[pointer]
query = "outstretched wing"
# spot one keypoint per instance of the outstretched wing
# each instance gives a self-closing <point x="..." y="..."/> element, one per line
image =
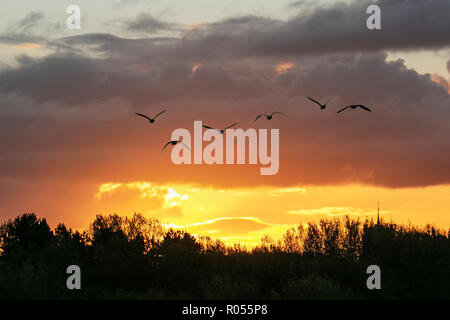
<point x="142" y="115"/>
<point x="315" y="101"/>
<point x="185" y="145"/>
<point x="365" y="108"/>
<point x="343" y="109"/>
<point x="207" y="127"/>
<point x="159" y="114"/>
<point x="276" y="112"/>
<point x="166" y="145"/>
<point x="260" y="116"/>
<point x="230" y="126"/>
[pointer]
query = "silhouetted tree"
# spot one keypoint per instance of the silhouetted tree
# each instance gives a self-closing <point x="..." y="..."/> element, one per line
<point x="135" y="257"/>
<point x="24" y="238"/>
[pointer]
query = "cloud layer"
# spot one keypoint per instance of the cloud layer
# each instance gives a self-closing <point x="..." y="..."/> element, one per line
<point x="74" y="109"/>
<point x="316" y="29"/>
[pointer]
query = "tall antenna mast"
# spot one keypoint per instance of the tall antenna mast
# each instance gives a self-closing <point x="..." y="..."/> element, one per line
<point x="378" y="213"/>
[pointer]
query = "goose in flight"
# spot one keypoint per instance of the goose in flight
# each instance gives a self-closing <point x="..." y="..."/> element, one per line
<point x="223" y="130"/>
<point x="322" y="106"/>
<point x="268" y="116"/>
<point x="354" y="106"/>
<point x="150" y="119"/>
<point x="174" y="142"/>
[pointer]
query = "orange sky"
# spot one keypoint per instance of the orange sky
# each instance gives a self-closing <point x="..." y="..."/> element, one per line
<point x="73" y="147"/>
<point x="237" y="214"/>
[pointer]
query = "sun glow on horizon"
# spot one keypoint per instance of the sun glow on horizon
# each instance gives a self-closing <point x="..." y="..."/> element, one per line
<point x="243" y="214"/>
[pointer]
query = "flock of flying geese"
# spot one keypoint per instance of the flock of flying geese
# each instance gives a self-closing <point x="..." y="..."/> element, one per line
<point x="268" y="117"/>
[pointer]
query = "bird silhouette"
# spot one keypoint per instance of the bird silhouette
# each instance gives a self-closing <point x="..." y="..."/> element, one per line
<point x="151" y="120"/>
<point x="322" y="106"/>
<point x="268" y="116"/>
<point x="354" y="106"/>
<point x="221" y="131"/>
<point x="174" y="142"/>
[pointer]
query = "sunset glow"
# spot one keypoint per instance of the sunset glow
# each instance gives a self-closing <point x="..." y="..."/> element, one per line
<point x="284" y="67"/>
<point x="28" y="45"/>
<point x="79" y="137"/>
<point x="242" y="214"/>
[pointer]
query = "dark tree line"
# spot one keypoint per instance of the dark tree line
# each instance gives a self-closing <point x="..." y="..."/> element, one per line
<point x="136" y="258"/>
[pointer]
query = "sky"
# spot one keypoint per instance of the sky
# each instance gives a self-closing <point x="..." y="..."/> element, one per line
<point x="72" y="146"/>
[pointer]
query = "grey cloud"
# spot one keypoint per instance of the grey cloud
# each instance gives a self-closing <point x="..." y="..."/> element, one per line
<point x="66" y="78"/>
<point x="34" y="27"/>
<point x="29" y="22"/>
<point x="75" y="79"/>
<point x="322" y="29"/>
<point x="148" y="24"/>
<point x="154" y="49"/>
<point x="406" y="24"/>
<point x="34" y="24"/>
<point x="410" y="117"/>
